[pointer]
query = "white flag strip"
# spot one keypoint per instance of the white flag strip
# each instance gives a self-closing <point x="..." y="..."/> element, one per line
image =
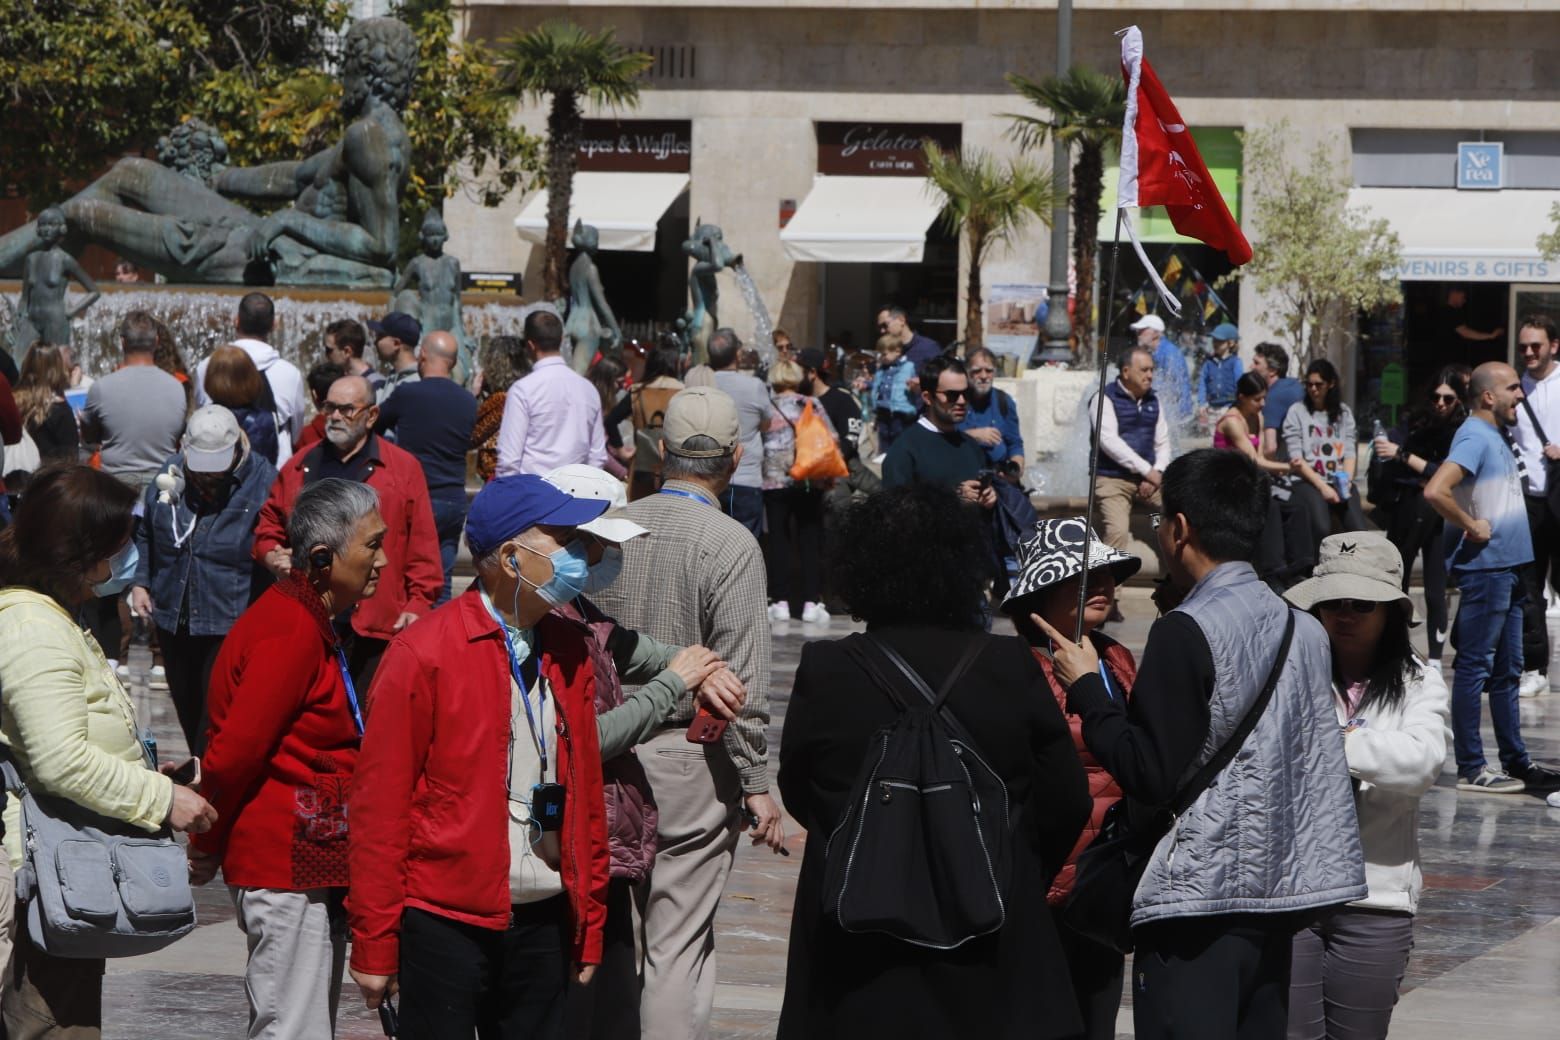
<point x="1127" y="175"/>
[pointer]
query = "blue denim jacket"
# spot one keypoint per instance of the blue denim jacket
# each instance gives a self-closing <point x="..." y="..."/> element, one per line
<point x="891" y="387"/>
<point x="199" y="564"/>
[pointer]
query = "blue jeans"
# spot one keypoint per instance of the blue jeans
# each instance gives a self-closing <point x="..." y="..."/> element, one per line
<point x="449" y="517"/>
<point x="745" y="505"/>
<point x="1489" y="657"/>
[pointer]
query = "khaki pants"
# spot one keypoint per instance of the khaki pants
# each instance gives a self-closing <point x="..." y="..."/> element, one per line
<point x="297" y="950"/>
<point x="696" y="791"/>
<point x="1116" y="498"/>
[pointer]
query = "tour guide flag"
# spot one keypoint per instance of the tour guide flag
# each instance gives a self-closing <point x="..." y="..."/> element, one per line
<point x="1160" y="166"/>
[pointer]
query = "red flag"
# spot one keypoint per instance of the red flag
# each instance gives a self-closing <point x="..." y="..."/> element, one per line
<point x="1160" y="164"/>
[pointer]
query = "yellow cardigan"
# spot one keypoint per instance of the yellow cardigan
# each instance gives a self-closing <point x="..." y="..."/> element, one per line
<point x="66" y="720"/>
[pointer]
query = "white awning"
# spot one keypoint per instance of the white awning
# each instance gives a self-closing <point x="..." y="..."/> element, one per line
<point x="1465" y="236"/>
<point x="623" y="207"/>
<point x="862" y="220"/>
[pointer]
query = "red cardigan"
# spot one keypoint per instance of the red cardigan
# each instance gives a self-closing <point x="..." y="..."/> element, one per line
<point x="281" y="747"/>
<point x="1103" y="788"/>
<point x="429" y="804"/>
<point x="413" y="574"/>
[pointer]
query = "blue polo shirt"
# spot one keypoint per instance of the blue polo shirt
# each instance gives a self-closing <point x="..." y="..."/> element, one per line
<point x="989" y="416"/>
<point x="1281" y="395"/>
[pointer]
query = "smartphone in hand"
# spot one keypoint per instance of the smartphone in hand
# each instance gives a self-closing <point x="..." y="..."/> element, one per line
<point x="706" y="728"/>
<point x="186" y="773"/>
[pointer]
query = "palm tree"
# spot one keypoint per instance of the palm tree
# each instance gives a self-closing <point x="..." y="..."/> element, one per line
<point x="988" y="201"/>
<point x="572" y="66"/>
<point x="1086" y="111"/>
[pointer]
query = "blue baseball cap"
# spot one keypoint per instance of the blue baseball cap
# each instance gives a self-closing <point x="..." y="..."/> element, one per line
<point x="509" y="505"/>
<point x="402" y="326"/>
<point x="1225" y="332"/>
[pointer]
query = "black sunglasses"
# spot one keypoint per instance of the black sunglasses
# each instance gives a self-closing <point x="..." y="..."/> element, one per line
<point x="953" y="395"/>
<point x="1353" y="606"/>
<point x="1445" y="398"/>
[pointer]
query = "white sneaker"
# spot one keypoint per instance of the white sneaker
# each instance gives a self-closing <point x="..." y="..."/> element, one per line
<point x="780" y="611"/>
<point x="1533" y="684"/>
<point x="813" y="613"/>
<point x="158" y="677"/>
<point x="122" y="670"/>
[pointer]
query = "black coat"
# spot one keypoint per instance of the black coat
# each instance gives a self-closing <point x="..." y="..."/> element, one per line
<point x="1010" y="984"/>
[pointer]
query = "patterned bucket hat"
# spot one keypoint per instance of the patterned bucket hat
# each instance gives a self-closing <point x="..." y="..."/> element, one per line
<point x="1055" y="553"/>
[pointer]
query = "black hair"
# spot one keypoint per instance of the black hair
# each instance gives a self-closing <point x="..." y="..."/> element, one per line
<point x="933" y="368"/>
<point x="256" y="315"/>
<point x="1392" y="665"/>
<point x="1125" y="355"/>
<point x="1334" y="403"/>
<point x="320" y="378"/>
<point x="1224" y="497"/>
<point x="664" y="359"/>
<point x="893" y="310"/>
<point x="1250" y="385"/>
<point x="544" y="331"/>
<point x="1277" y="357"/>
<point x="879" y="586"/>
<point x="1424" y="418"/>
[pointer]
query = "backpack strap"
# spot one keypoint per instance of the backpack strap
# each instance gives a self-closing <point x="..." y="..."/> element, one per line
<point x="1538" y="427"/>
<point x="971" y="652"/>
<point x="1215" y="765"/>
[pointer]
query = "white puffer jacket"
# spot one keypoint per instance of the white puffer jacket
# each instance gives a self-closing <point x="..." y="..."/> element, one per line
<point x="1395" y="758"/>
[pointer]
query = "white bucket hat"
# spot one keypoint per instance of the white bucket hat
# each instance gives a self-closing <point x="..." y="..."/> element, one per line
<point x="581" y="481"/>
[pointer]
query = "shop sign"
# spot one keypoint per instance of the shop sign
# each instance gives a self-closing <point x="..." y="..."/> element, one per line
<point x="1481" y="165"/>
<point x="881" y="149"/>
<point x="637" y="145"/>
<point x="1479" y="267"/>
<point x="491" y="282"/>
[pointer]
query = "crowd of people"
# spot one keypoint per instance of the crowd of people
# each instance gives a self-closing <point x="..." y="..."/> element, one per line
<point x="511" y="808"/>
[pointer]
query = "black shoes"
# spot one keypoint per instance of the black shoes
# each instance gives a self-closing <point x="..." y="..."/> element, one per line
<point x="1537" y="777"/>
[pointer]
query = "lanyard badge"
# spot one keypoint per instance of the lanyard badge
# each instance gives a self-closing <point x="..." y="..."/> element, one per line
<point x="352" y="697"/>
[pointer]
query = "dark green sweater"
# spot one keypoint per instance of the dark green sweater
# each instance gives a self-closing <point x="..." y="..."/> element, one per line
<point x="943" y="459"/>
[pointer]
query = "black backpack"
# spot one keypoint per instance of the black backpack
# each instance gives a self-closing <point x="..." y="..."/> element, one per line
<point x="922" y="854"/>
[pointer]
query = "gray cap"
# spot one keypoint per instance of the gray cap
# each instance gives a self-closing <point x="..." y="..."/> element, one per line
<point x="701" y="411"/>
<point x="1363" y="565"/>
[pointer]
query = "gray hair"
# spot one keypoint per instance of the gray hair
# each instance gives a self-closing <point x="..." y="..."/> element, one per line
<point x="678" y="467"/>
<point x="722" y="348"/>
<point x="326" y="513"/>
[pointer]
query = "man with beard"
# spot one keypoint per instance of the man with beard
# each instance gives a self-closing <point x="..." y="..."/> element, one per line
<point x="351" y="450"/>
<point x="992" y="418"/>
<point x="840" y="404"/>
<point x="935" y="450"/>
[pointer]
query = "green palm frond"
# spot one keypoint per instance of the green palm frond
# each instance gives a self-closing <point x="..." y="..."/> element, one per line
<point x="1084" y="107"/>
<point x="988" y="199"/>
<point x="563" y="58"/>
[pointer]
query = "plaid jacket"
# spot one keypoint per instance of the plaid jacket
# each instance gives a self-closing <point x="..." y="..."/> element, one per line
<point x="699" y="578"/>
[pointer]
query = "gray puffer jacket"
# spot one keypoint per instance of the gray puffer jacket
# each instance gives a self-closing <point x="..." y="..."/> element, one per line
<point x="1276" y="830"/>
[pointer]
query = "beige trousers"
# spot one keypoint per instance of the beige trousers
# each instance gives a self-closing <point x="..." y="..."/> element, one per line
<point x="1116" y="498"/>
<point x="297" y="952"/>
<point x="697" y="794"/>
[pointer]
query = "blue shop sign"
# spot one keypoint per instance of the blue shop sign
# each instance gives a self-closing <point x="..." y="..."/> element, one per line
<point x="1481" y="165"/>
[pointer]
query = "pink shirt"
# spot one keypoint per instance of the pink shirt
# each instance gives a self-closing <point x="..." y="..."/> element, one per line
<point x="552" y="418"/>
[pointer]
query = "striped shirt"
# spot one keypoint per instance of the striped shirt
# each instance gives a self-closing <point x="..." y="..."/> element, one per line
<point x="699" y="578"/>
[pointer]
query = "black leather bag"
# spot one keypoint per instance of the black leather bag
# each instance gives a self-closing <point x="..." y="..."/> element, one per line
<point x="1109" y="870"/>
<point x="922" y="853"/>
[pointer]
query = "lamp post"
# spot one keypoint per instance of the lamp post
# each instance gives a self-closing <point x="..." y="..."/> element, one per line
<point x="1058" y="327"/>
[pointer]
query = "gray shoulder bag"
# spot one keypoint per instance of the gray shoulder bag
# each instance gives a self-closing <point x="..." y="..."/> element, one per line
<point x="96" y="887"/>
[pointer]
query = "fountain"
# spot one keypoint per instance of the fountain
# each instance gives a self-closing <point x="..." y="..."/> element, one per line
<point x="711" y="255"/>
<point x="763" y="328"/>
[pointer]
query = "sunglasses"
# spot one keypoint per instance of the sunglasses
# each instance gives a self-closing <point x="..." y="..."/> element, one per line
<point x="1531" y="347"/>
<point x="1444" y="398"/>
<point x="953" y="395"/>
<point x="1353" y="606"/>
<point x="346" y="411"/>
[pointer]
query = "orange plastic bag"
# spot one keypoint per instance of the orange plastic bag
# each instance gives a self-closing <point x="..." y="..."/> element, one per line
<point x="817" y="455"/>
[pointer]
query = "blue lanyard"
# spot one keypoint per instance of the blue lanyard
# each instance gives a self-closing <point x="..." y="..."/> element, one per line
<point x="526" y="676"/>
<point x="1104" y="675"/>
<point x="683" y="494"/>
<point x="352" y="698"/>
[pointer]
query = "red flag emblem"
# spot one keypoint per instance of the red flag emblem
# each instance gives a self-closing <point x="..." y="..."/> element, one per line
<point x="1160" y="164"/>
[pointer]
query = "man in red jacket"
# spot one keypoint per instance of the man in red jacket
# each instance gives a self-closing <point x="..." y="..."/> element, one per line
<point x="352" y="451"/>
<point x="478" y="848"/>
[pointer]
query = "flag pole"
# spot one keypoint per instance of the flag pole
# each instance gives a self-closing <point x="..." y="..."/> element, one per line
<point x="1094" y="436"/>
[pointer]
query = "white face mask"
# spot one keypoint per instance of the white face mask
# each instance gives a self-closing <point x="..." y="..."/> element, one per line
<point x="604" y="573"/>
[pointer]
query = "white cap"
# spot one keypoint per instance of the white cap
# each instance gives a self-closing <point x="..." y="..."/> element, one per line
<point x="581" y="481"/>
<point x="1148" y="321"/>
<point x="210" y="438"/>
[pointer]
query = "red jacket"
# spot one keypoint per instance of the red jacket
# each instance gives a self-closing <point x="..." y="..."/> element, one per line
<point x="413" y="574"/>
<point x="281" y="746"/>
<point x="1102" y="786"/>
<point x="312" y="434"/>
<point x="429" y="803"/>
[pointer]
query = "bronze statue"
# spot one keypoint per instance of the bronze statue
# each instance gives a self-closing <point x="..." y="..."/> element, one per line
<point x="338" y="224"/>
<point x="710" y="257"/>
<point x="42" y="317"/>
<point x="429" y="290"/>
<point x="591" y="325"/>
